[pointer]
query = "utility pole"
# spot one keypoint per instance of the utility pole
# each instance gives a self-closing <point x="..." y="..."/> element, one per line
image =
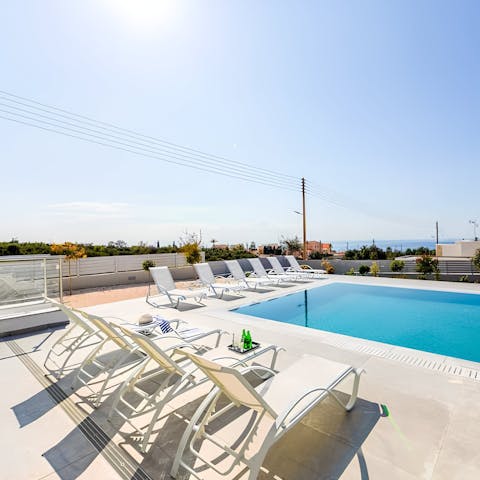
<point x="304" y="221"/>
<point x="436" y="231"/>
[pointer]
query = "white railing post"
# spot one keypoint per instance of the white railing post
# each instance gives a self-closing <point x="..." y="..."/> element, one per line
<point x="60" y="278"/>
<point x="45" y="288"/>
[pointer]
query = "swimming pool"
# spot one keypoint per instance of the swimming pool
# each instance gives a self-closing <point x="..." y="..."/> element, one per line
<point x="446" y="323"/>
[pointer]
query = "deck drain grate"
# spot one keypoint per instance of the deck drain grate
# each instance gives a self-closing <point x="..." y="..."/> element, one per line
<point x="361" y="346"/>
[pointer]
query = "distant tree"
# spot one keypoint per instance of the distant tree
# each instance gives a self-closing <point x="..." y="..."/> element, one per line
<point x="190" y="247"/>
<point x="350" y="254"/>
<point x="192" y="253"/>
<point x="13" y="249"/>
<point x="292" y="245"/>
<point x="213" y="241"/>
<point x="319" y="255"/>
<point x="72" y="251"/>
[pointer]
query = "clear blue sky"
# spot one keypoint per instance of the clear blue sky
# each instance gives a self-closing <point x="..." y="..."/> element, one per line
<point x="378" y="102"/>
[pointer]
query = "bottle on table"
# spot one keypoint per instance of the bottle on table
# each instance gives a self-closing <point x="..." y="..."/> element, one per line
<point x="248" y="341"/>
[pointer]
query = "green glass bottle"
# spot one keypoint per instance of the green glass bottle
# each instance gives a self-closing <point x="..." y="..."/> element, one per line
<point x="242" y="340"/>
<point x="248" y="340"/>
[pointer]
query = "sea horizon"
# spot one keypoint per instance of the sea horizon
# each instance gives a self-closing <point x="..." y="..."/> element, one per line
<point x="402" y="245"/>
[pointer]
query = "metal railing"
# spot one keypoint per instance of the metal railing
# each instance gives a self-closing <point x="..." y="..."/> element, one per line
<point x="121" y="263"/>
<point x="29" y="279"/>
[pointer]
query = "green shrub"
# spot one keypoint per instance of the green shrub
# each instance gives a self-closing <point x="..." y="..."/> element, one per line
<point x="363" y="269"/>
<point x="464" y="278"/>
<point x="147" y="264"/>
<point x="397" y="265"/>
<point x="350" y="272"/>
<point x="425" y="265"/>
<point x="192" y="253"/>
<point x="328" y="267"/>
<point x="375" y="269"/>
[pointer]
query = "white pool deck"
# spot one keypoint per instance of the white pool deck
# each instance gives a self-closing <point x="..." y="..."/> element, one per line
<point x="433" y="431"/>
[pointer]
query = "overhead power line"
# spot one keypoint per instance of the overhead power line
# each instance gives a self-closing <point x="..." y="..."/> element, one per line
<point x="25" y="111"/>
<point x="136" y="152"/>
<point x="173" y="159"/>
<point x="114" y="133"/>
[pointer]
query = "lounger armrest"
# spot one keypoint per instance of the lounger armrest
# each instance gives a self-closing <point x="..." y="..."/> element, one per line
<point x="262" y="368"/>
<point x="115" y="318"/>
<point x="175" y="321"/>
<point x="239" y="361"/>
<point x="179" y="346"/>
<point x="194" y="346"/>
<point x="282" y="418"/>
<point x="217" y="331"/>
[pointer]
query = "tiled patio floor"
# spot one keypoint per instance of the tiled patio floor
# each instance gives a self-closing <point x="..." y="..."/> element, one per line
<point x="433" y="433"/>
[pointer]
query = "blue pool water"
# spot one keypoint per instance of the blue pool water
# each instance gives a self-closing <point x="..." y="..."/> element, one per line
<point x="446" y="323"/>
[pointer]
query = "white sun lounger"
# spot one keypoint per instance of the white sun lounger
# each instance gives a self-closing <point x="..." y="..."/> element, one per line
<point x="128" y="356"/>
<point x="79" y="334"/>
<point x="206" y="276"/>
<point x="264" y="414"/>
<point x="260" y="272"/>
<point x="173" y="377"/>
<point x="277" y="269"/>
<point x="166" y="286"/>
<point x="127" y="350"/>
<point x="238" y="274"/>
<point x="308" y="270"/>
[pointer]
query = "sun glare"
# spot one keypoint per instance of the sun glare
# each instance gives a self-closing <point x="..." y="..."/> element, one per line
<point x="143" y="14"/>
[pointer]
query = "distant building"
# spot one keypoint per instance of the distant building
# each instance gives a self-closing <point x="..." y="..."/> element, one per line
<point x="221" y="246"/>
<point x="464" y="248"/>
<point x="271" y="249"/>
<point x="318" y="247"/>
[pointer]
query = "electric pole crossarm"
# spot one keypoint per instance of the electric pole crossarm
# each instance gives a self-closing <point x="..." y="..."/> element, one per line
<point x="304" y="221"/>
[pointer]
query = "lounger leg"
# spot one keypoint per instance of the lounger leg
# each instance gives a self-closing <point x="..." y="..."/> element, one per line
<point x="173" y="391"/>
<point x="353" y="397"/>
<point x="211" y="398"/>
<point x="71" y="349"/>
<point x="59" y="342"/>
<point x="125" y="386"/>
<point x="89" y="359"/>
<point x="110" y="374"/>
<point x="276" y="351"/>
<point x="256" y="463"/>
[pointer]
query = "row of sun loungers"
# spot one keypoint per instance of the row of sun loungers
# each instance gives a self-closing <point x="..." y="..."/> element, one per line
<point x="244" y="421"/>
<point x="276" y="276"/>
